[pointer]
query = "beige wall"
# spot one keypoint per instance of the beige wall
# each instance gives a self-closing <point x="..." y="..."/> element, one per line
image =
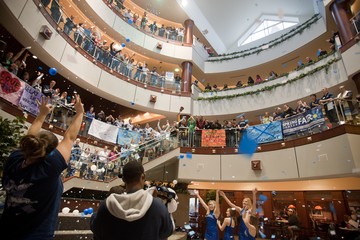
<point x="338" y="156"/>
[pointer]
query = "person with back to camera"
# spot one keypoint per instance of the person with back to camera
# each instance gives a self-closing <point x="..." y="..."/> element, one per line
<point x="32" y="178"/>
<point x="229" y="222"/>
<point x="136" y="215"/>
<point x="248" y="208"/>
<point x="212" y="214"/>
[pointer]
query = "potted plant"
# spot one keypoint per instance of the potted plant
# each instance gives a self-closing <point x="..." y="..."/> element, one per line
<point x="11" y="133"/>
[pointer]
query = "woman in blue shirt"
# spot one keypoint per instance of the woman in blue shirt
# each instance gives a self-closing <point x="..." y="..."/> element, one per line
<point x="229" y="223"/>
<point x="248" y="207"/>
<point x="32" y="180"/>
<point x="212" y="214"/>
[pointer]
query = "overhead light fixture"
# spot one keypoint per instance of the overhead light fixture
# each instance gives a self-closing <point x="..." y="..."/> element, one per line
<point x="184" y="3"/>
<point x="34" y="57"/>
<point x="177" y="70"/>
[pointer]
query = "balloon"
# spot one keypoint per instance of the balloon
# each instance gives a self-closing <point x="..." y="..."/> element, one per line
<point x="123" y="45"/>
<point x="189" y="155"/>
<point x="86" y="211"/>
<point x="130" y="21"/>
<point x="263" y="197"/>
<point x="127" y="39"/>
<point x="90" y="210"/>
<point x="132" y="103"/>
<point x="76" y="211"/>
<point x="52" y="71"/>
<point x="93" y="168"/>
<point x="65" y="210"/>
<point x="181" y="156"/>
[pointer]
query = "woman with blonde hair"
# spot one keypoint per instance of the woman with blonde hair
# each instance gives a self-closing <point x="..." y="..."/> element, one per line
<point x="229" y="222"/>
<point x="248" y="207"/>
<point x="212" y="214"/>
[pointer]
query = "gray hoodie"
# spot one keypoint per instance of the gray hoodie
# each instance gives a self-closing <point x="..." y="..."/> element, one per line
<point x="135" y="216"/>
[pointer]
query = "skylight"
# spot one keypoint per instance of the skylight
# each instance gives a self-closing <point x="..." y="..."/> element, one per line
<point x="266" y="26"/>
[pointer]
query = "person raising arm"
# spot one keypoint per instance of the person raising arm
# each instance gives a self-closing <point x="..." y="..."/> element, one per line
<point x="31" y="178"/>
<point x="212" y="214"/>
<point x="229" y="222"/>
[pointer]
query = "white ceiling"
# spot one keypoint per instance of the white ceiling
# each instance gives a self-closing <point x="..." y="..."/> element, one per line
<point x="227" y="20"/>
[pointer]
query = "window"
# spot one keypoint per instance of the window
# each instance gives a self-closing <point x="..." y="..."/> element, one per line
<point x="266" y="26"/>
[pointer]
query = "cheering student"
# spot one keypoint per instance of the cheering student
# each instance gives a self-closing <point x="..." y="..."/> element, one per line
<point x="32" y="178"/>
<point x="212" y="214"/>
<point x="247" y="208"/>
<point x="229" y="222"/>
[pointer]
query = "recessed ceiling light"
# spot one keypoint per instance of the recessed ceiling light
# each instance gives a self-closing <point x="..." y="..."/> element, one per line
<point x="34" y="57"/>
<point x="177" y="70"/>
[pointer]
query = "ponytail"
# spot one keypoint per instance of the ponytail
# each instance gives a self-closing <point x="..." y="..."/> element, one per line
<point x="35" y="148"/>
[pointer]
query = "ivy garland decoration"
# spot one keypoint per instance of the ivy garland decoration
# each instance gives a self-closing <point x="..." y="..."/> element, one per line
<point x="270" y="44"/>
<point x="269" y="88"/>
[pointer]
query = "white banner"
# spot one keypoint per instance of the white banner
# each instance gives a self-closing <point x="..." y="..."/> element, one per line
<point x="103" y="131"/>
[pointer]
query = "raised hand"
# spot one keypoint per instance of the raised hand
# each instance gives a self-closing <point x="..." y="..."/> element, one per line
<point x="79" y="107"/>
<point x="44" y="107"/>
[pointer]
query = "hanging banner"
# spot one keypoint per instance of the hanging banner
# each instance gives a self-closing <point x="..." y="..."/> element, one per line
<point x="28" y="100"/>
<point x="303" y="121"/>
<point x="103" y="131"/>
<point x="213" y="138"/>
<point x="126" y="137"/>
<point x="11" y="86"/>
<point x="265" y="133"/>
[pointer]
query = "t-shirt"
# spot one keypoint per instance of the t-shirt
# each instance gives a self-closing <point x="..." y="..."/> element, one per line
<point x="33" y="196"/>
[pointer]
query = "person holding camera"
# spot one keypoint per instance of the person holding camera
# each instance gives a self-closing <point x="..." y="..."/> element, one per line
<point x="134" y="215"/>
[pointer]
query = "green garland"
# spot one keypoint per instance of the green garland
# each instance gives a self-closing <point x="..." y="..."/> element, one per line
<point x="269" y="88"/>
<point x="272" y="43"/>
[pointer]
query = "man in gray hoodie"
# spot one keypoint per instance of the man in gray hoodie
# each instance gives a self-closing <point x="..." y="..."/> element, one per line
<point x="136" y="215"/>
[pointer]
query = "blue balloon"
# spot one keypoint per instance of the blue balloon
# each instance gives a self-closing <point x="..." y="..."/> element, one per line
<point x="86" y="211"/>
<point x="40" y="68"/>
<point x="189" y="155"/>
<point x="132" y="103"/>
<point x="52" y="71"/>
<point x="123" y="45"/>
<point x="263" y="197"/>
<point x="127" y="39"/>
<point x="181" y="156"/>
<point x="130" y="21"/>
<point x="90" y="210"/>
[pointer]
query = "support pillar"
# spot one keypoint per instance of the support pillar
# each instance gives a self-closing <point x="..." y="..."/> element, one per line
<point x="341" y="13"/>
<point x="356" y="79"/>
<point x="189" y="31"/>
<point x="186" y="77"/>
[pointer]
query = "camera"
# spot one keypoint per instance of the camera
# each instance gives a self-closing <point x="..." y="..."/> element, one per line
<point x="163" y="192"/>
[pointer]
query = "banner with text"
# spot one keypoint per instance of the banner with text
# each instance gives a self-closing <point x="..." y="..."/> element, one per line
<point x="265" y="133"/>
<point x="303" y="121"/>
<point x="213" y="138"/>
<point x="11" y="86"/>
<point x="28" y="100"/>
<point x="126" y="137"/>
<point x="103" y="131"/>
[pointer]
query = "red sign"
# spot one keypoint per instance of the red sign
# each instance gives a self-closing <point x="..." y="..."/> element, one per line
<point x="213" y="138"/>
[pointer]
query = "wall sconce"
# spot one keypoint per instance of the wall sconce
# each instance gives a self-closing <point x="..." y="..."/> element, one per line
<point x="145" y="86"/>
<point x="214" y="151"/>
<point x="259" y="148"/>
<point x="309" y="139"/>
<point x="153" y="98"/>
<point x="128" y="79"/>
<point x="193" y="150"/>
<point x="283" y="144"/>
<point x="159" y="46"/>
<point x="256" y="165"/>
<point x="162" y="89"/>
<point x="236" y="150"/>
<point x="46" y="32"/>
